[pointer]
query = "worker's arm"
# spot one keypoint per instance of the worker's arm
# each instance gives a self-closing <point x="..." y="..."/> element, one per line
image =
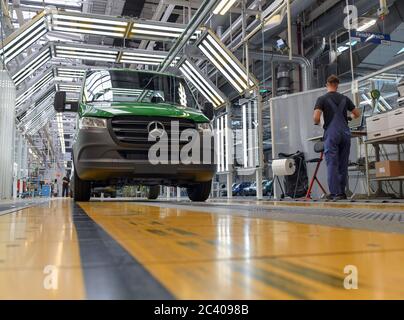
<point x="356" y="113"/>
<point x="317" y="116"/>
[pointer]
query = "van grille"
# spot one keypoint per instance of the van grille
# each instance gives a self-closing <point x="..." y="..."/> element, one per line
<point x="134" y="130"/>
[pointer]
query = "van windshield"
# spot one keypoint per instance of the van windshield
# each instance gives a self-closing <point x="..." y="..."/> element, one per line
<point x="136" y="86"/>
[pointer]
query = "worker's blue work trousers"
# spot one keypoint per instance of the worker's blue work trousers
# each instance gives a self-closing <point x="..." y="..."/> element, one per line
<point x="337" y="145"/>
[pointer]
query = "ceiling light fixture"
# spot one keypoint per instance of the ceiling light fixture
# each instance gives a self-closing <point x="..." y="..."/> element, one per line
<point x="69" y="73"/>
<point x="223" y="6"/>
<point x="150" y="31"/>
<point x="33" y="65"/>
<point x="85" y="53"/>
<point x="69" y="87"/>
<point x="23" y="38"/>
<point x="34" y="88"/>
<point x="367" y="25"/>
<point x="141" y="58"/>
<point x="400" y="51"/>
<point x="201" y="83"/>
<point x="225" y="62"/>
<point x="79" y="24"/>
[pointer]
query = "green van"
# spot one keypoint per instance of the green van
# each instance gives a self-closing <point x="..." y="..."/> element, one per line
<point x="124" y="116"/>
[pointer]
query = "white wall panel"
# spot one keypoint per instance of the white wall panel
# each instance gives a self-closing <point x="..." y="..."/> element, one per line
<point x="7" y="124"/>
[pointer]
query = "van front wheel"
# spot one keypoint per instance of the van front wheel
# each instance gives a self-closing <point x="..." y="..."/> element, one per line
<point x="82" y="189"/>
<point x="153" y="192"/>
<point x="200" y="191"/>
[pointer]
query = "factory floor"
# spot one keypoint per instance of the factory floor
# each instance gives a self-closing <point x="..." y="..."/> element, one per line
<point x="222" y="249"/>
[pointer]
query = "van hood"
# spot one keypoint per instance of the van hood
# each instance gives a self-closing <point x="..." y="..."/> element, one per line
<point x="109" y="110"/>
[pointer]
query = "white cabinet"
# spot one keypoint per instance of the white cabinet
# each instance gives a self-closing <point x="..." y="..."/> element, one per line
<point x="386" y="124"/>
<point x="396" y="119"/>
<point x="377" y="123"/>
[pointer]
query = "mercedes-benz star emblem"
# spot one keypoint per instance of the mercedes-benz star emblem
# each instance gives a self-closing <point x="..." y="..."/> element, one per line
<point x="156" y="129"/>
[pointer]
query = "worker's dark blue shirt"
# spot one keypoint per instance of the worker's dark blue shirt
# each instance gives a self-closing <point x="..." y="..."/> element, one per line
<point x="328" y="113"/>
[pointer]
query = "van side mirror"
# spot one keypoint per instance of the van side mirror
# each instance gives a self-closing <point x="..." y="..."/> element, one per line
<point x="61" y="105"/>
<point x="208" y="111"/>
<point x="59" y="101"/>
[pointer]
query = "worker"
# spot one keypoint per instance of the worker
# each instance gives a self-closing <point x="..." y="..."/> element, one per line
<point x="55" y="188"/>
<point x="337" y="136"/>
<point x="65" y="185"/>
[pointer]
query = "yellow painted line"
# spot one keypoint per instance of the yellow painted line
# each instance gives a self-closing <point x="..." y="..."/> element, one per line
<point x="311" y="204"/>
<point x="197" y="255"/>
<point x="39" y="254"/>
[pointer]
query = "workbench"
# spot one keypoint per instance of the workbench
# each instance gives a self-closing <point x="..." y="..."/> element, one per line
<point x="397" y="140"/>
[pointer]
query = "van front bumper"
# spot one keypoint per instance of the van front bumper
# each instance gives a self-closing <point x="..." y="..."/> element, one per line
<point x="98" y="156"/>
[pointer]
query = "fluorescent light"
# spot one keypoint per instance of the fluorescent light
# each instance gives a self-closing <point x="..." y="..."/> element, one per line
<point x="191" y="75"/>
<point x="156" y="30"/>
<point x="37" y="110"/>
<point x="120" y="30"/>
<point x="94" y="20"/>
<point x="69" y="73"/>
<point x="24" y="42"/>
<point x="86" y="53"/>
<point x="79" y="53"/>
<point x="367" y="25"/>
<point x="352" y="43"/>
<point x="341" y="49"/>
<point x="203" y="80"/>
<point x="220" y="6"/>
<point x="225" y="62"/>
<point x="143" y="55"/>
<point x="102" y="33"/>
<point x="217" y="65"/>
<point x="31" y="67"/>
<point x="137" y="26"/>
<point x="71" y="70"/>
<point x="227" y="7"/>
<point x="144" y="59"/>
<point x="86" y="49"/>
<point x="157" y="33"/>
<point x="400" y="51"/>
<point x="229" y="59"/>
<point x="201" y="84"/>
<point x="197" y="85"/>
<point x="41" y="83"/>
<point x="141" y="58"/>
<point x="17" y="39"/>
<point x="140" y="62"/>
<point x="65" y="85"/>
<point x="84" y="57"/>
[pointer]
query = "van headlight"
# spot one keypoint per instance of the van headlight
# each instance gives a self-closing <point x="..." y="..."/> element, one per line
<point x="204" y="126"/>
<point x="87" y="122"/>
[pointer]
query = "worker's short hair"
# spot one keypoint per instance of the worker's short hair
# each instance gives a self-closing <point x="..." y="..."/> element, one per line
<point x="333" y="79"/>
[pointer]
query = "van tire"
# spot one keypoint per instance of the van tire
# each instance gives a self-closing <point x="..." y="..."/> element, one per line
<point x="82" y="189"/>
<point x="153" y="192"/>
<point x="199" y="192"/>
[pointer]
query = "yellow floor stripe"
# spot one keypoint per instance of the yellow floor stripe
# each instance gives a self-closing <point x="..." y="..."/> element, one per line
<point x="39" y="254"/>
<point x="199" y="255"/>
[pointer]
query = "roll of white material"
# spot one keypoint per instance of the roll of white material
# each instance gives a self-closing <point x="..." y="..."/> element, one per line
<point x="283" y="167"/>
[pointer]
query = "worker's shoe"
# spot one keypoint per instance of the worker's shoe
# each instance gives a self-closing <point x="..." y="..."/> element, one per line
<point x="340" y="197"/>
<point x="329" y="197"/>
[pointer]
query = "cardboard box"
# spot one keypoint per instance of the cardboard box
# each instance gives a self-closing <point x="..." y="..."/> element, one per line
<point x="389" y="168"/>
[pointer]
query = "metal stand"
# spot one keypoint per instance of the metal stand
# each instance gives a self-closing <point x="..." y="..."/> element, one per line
<point x="315" y="179"/>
